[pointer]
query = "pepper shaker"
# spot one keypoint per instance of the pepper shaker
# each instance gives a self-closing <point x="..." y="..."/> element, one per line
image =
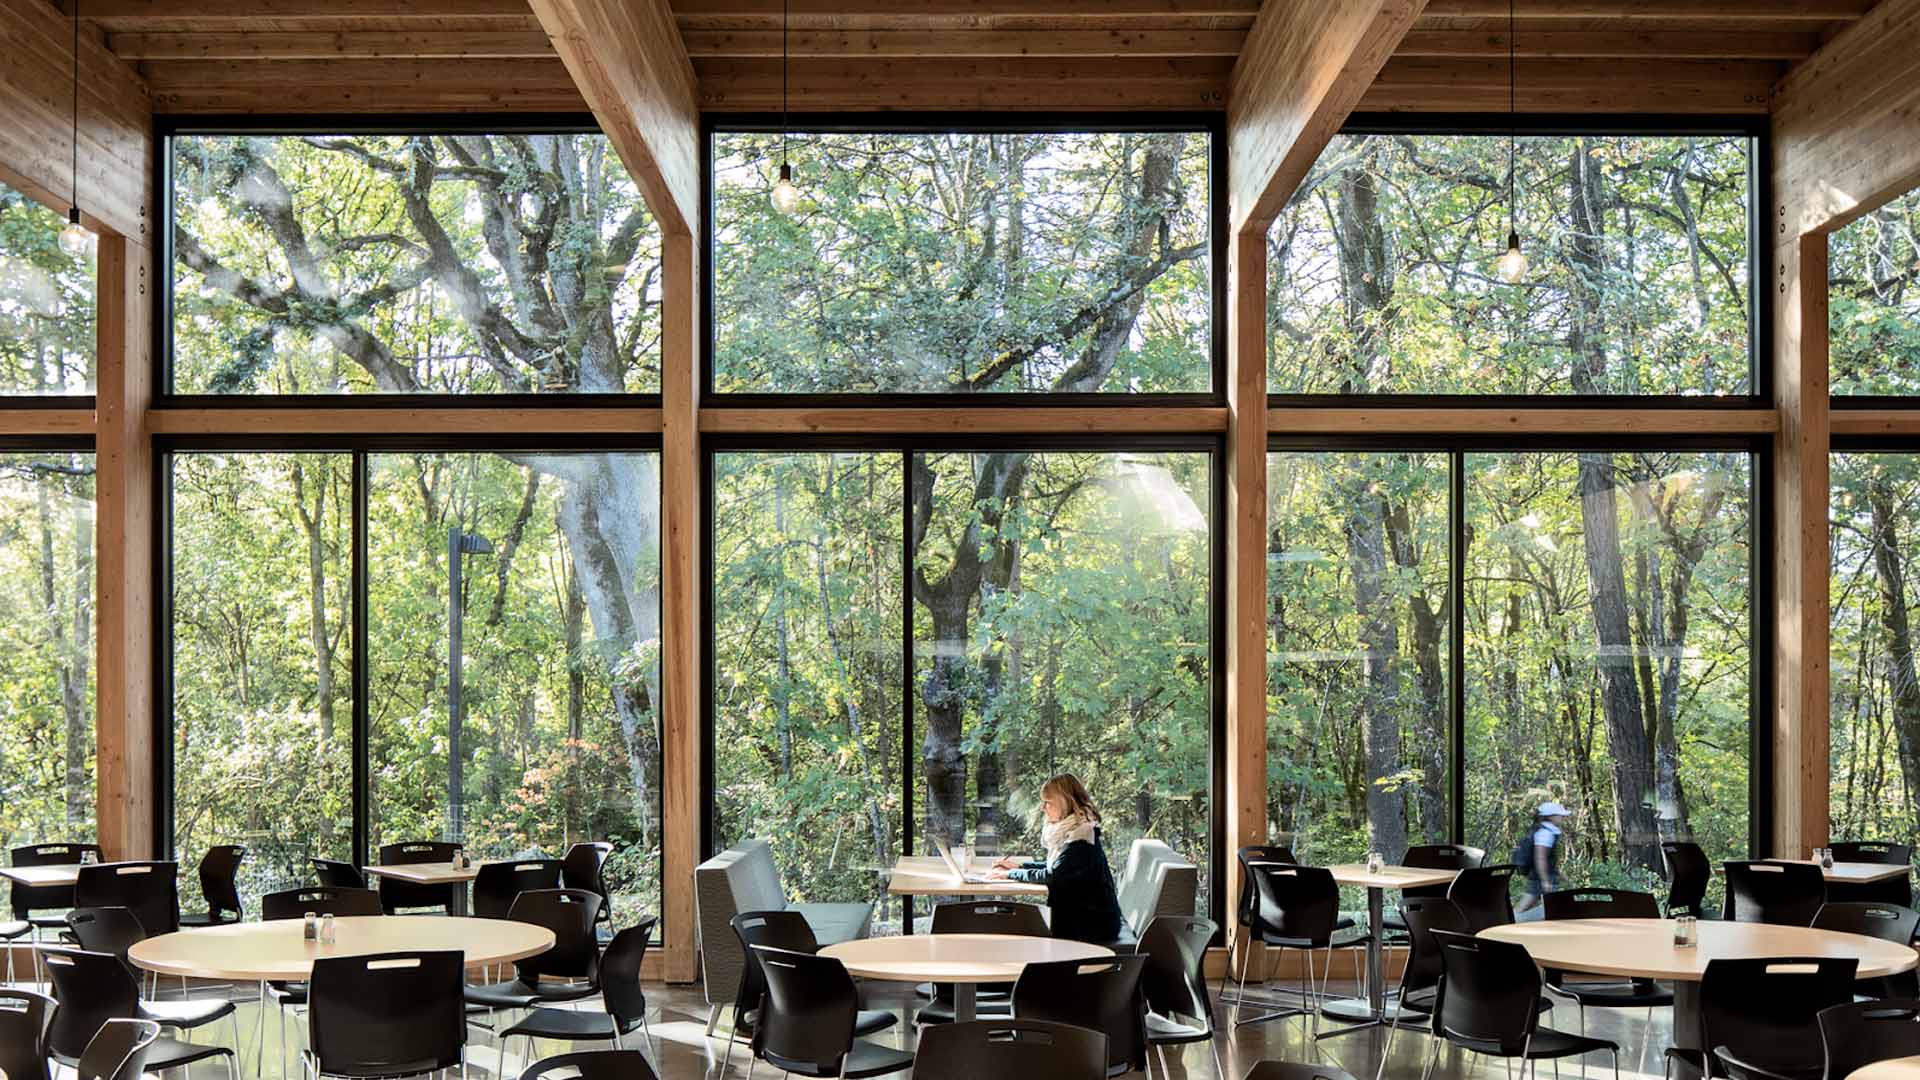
<point x="312" y="928"/>
<point x="326" y="929"/>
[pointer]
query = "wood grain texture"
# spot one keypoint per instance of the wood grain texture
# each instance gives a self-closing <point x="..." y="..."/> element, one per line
<point x="1442" y="84"/>
<point x="1904" y="422"/>
<point x="627" y="59"/>
<point x="1550" y="420"/>
<point x="876" y="44"/>
<point x="1246" y="537"/>
<point x="987" y="84"/>
<point x="1585" y="44"/>
<point x="1305" y="67"/>
<point x="982" y="419"/>
<point x="1774" y="10"/>
<point x="682" y="635"/>
<point x="559" y="419"/>
<point x="56" y="423"/>
<point x="334" y="45"/>
<point x="188" y="87"/>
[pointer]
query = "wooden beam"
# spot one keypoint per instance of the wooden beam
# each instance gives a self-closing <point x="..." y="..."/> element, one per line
<point x="1420" y="84"/>
<point x="977" y="419"/>
<point x="37" y="119"/>
<point x="1898" y="422"/>
<point x="812" y="11"/>
<point x="968" y="84"/>
<point x="1305" y="67"/>
<point x="681" y="633"/>
<point x="339" y="45"/>
<point x="1655" y="10"/>
<point x="1246" y="537"/>
<point x="1584" y="44"/>
<point x="627" y="59"/>
<point x="1313" y="420"/>
<point x="187" y="87"/>
<point x="898" y="44"/>
<point x="123" y="13"/>
<point x="348" y="419"/>
<point x="47" y="423"/>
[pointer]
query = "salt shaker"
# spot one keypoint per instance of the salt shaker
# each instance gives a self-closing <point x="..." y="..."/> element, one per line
<point x="1685" y="932"/>
<point x="1375" y="862"/>
<point x="326" y="929"/>
<point x="1826" y="858"/>
<point x="312" y="929"/>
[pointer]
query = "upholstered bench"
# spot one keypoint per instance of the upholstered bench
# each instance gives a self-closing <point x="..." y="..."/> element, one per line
<point x="743" y="878"/>
<point x="1156" y="881"/>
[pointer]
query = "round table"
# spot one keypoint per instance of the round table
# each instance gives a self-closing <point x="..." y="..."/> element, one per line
<point x="1643" y="948"/>
<point x="965" y="960"/>
<point x="1906" y="1068"/>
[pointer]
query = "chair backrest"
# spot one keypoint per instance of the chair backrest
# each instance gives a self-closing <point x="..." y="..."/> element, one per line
<point x="1766" y="1010"/>
<point x="1781" y="893"/>
<point x="1101" y="994"/>
<point x="1489" y="991"/>
<point x="23" y="1033"/>
<point x="1484" y="895"/>
<point x="1444" y="857"/>
<point x="219" y="873"/>
<point x="1601" y="904"/>
<point x="1688" y="873"/>
<point x="334" y="874"/>
<point x="584" y="867"/>
<point x="1424" y="915"/>
<point x="620" y="974"/>
<point x="569" y="913"/>
<point x="593" y="1065"/>
<point x="369" y="1014"/>
<point x="806" y="1021"/>
<point x="989" y="917"/>
<point x="1010" y="1048"/>
<point x="1294" y="901"/>
<point x="497" y="883"/>
<point x="1885" y="852"/>
<point x="787" y="930"/>
<point x="1888" y="922"/>
<point x="1295" y="1070"/>
<point x="1253" y="853"/>
<point x="1174" y="982"/>
<point x="30" y="898"/>
<point x="148" y="889"/>
<point x="1860" y="1033"/>
<point x="106" y="929"/>
<point x="92" y="988"/>
<point x="321" y="900"/>
<point x="396" y="895"/>
<point x="1155" y="881"/>
<point x="118" y="1051"/>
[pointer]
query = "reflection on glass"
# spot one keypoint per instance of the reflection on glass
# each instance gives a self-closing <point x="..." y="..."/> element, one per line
<point x="460" y="263"/>
<point x="1013" y="262"/>
<point x="46" y="303"/>
<point x="1873" y="314"/>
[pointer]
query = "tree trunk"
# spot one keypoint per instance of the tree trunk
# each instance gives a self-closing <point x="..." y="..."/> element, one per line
<point x="314" y="524"/>
<point x="1896" y="630"/>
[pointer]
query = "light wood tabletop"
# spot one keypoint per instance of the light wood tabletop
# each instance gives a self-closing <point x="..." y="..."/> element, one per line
<point x="1906" y="1068"/>
<point x="51" y="874"/>
<point x="956" y="958"/>
<point x="1390" y="877"/>
<point x="428" y="873"/>
<point x="927" y="875"/>
<point x="1643" y="948"/>
<point x="1855" y="873"/>
<point x="277" y="950"/>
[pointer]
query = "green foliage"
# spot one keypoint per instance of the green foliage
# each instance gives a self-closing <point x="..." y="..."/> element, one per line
<point x="1873" y="314"/>
<point x="46" y="303"/>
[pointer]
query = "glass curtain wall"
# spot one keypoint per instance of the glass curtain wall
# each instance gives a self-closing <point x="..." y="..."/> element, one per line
<point x="46" y="303"/>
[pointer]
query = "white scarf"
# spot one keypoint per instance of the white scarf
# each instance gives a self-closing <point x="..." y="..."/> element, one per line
<point x="1056" y="835"/>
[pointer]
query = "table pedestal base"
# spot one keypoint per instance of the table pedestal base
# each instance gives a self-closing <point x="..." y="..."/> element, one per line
<point x="1686" y="1027"/>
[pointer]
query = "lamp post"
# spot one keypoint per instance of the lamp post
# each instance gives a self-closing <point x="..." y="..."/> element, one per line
<point x="458" y="543"/>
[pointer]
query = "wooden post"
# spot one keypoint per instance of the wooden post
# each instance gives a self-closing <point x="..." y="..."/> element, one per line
<point x="1246" y="584"/>
<point x="680" y="625"/>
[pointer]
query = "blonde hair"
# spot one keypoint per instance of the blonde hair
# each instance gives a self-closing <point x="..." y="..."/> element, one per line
<point x="1069" y="790"/>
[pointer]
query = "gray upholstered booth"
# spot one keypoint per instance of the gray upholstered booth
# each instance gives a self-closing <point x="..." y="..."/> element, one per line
<point x="743" y="878"/>
<point x="1155" y="882"/>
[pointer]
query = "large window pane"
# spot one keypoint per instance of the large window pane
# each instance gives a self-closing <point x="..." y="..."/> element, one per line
<point x="557" y="611"/>
<point x="457" y="263"/>
<point x="262" y="657"/>
<point x="1062" y="623"/>
<point x="1874" y="739"/>
<point x="964" y="263"/>
<point x="1382" y="271"/>
<point x="1874" y="306"/>
<point x="1358" y="728"/>
<point x="806" y="665"/>
<point x="46" y="303"/>
<point x="46" y="647"/>
<point x="1608" y="650"/>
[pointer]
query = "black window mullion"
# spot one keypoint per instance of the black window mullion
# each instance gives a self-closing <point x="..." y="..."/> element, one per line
<point x="1457" y="643"/>
<point x="906" y="674"/>
<point x="362" y="775"/>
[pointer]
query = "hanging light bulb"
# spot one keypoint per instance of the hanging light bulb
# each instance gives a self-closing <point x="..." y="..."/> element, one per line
<point x="1513" y="265"/>
<point x="785" y="195"/>
<point x="75" y="239"/>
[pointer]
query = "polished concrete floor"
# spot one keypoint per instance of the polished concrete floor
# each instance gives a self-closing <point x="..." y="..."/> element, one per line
<point x="680" y="1049"/>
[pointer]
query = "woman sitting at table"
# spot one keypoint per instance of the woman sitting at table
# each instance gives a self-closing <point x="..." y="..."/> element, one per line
<point x="1079" y="883"/>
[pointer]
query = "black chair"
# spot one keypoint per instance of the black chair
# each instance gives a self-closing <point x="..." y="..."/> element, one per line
<point x="113" y="931"/>
<point x="806" y="1021"/>
<point x="1296" y="907"/>
<point x="1894" y="890"/>
<point x="1605" y="993"/>
<point x="1888" y="922"/>
<point x="1432" y="857"/>
<point x="1861" y="1033"/>
<point x="1242" y="944"/>
<point x="583" y="867"/>
<point x="28" y="899"/>
<point x="23" y="1033"/>
<point x="1688" y="874"/>
<point x="1101" y="994"/>
<point x="219" y="873"/>
<point x="147" y="889"/>
<point x="1488" y="1001"/>
<point x="93" y="988"/>
<point x="1010" y="1048"/>
<point x="119" y="1051"/>
<point x="334" y="874"/>
<point x="1295" y="1070"/>
<point x="574" y="959"/>
<point x="496" y="884"/>
<point x="788" y="930"/>
<point x="1174" y="984"/>
<point x="594" y="1065"/>
<point x="1759" y="1017"/>
<point x="391" y="1014"/>
<point x="626" y="1002"/>
<point x="979" y="917"/>
<point x="1484" y="895"/>
<point x="1780" y="893"/>
<point x="1883" y="852"/>
<point x="338" y="901"/>
<point x="1420" y="978"/>
<point x="396" y="896"/>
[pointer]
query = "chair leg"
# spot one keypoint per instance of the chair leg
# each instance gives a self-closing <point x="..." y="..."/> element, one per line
<point x="1219" y="1068"/>
<point x="1433" y="1057"/>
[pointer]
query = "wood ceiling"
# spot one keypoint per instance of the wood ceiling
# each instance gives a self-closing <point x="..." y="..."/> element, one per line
<point x="200" y="56"/>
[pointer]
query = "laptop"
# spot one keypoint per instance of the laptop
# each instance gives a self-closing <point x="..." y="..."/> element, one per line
<point x="953" y="864"/>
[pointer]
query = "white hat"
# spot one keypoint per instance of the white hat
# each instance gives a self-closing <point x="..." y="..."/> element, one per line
<point x="1553" y="809"/>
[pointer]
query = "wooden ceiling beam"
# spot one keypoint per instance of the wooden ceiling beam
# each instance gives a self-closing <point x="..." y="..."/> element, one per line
<point x="125" y="13"/>
<point x="908" y="44"/>
<point x="921" y="10"/>
<point x="1723" y="87"/>
<point x="1306" y="66"/>
<point x="627" y="59"/>
<point x="187" y="87"/>
<point x="1600" y="44"/>
<point x="345" y="45"/>
<point x="988" y="84"/>
<point x="1655" y="10"/>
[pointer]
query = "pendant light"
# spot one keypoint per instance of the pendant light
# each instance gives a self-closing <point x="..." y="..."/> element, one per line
<point x="1513" y="265"/>
<point x="785" y="195"/>
<point x="75" y="239"/>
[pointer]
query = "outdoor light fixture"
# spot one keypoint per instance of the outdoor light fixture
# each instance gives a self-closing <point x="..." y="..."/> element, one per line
<point x="785" y="195"/>
<point x="74" y="239"/>
<point x="1513" y="265"/>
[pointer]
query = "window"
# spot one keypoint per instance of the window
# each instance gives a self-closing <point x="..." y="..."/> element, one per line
<point x="458" y="262"/>
<point x="46" y="303"/>
<point x="1382" y="276"/>
<point x="1874" y="306"/>
<point x="1874" y="759"/>
<point x="46" y="647"/>
<point x="262" y="659"/>
<point x="1359" y="638"/>
<point x="964" y="262"/>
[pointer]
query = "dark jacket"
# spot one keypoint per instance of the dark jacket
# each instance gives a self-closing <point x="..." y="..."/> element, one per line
<point x="1080" y="892"/>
